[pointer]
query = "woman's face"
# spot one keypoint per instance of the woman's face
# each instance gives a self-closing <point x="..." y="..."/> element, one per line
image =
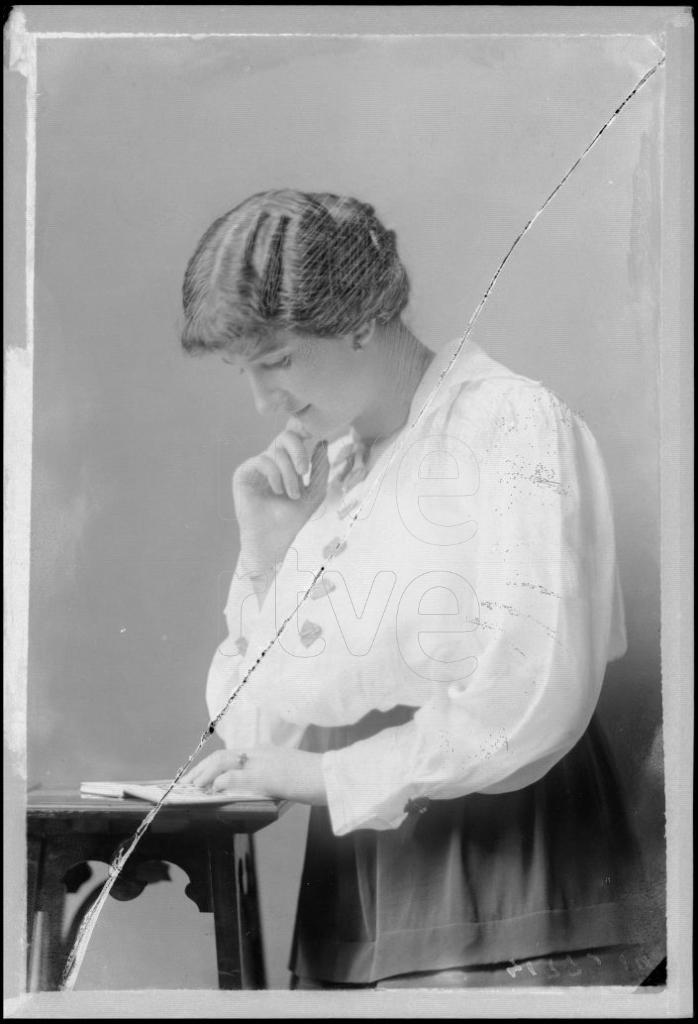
<point x="324" y="383"/>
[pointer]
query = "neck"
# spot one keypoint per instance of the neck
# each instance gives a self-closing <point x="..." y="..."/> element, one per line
<point x="398" y="361"/>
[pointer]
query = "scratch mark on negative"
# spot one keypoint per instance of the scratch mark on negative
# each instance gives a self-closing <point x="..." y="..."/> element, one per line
<point x="78" y="951"/>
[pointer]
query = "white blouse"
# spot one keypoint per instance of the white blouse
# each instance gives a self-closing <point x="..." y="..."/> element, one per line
<point x="469" y="572"/>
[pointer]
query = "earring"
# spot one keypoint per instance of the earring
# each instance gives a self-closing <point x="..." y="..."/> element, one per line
<point x="356" y="345"/>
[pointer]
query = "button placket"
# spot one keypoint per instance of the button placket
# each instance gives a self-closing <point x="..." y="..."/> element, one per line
<point x="346" y="510"/>
<point x="334" y="547"/>
<point x="309" y="633"/>
<point x="322" y="588"/>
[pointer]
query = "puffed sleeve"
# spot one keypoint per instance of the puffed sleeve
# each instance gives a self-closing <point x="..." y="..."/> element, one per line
<point x="244" y="723"/>
<point x="550" y="617"/>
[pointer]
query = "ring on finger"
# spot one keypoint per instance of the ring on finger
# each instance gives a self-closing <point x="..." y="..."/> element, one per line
<point x="241" y="760"/>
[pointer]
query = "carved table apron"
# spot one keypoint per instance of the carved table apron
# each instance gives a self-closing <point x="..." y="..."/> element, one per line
<point x="212" y="844"/>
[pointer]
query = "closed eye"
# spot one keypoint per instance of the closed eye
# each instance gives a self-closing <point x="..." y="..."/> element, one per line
<point x="282" y="364"/>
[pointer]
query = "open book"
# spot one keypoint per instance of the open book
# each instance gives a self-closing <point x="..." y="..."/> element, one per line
<point x="153" y="790"/>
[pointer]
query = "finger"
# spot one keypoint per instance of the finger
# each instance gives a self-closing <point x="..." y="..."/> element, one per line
<point x="319" y="472"/>
<point x="228" y="780"/>
<point x="294" y="444"/>
<point x="210" y="769"/>
<point x="271" y="472"/>
<point x="259" y="472"/>
<point x="192" y="777"/>
<point x="208" y="777"/>
<point x="192" y="774"/>
<point x="289" y="475"/>
<point x="299" y="428"/>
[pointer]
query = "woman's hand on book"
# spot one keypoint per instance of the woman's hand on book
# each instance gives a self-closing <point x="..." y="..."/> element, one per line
<point x="279" y="772"/>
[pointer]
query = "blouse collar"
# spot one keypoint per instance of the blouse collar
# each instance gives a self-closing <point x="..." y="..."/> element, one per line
<point x="458" y="361"/>
<point x="451" y="366"/>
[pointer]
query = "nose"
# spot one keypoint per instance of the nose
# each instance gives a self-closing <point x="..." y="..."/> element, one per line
<point x="265" y="397"/>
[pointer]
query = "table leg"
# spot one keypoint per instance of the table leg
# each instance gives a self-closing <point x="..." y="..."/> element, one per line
<point x="226" y="913"/>
<point x="34" y="858"/>
<point x="250" y="920"/>
<point x="57" y="858"/>
<point x="51" y="954"/>
<point x="236" y="914"/>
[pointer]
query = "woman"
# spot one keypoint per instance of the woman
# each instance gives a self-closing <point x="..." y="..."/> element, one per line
<point x="430" y="541"/>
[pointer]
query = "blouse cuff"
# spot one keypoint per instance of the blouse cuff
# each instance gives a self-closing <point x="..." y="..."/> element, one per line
<point x="354" y="796"/>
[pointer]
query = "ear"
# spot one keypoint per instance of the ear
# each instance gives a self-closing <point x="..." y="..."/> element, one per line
<point x="363" y="335"/>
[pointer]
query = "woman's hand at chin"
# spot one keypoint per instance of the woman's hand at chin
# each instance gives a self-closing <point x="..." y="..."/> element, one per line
<point x="280" y="772"/>
<point x="272" y="502"/>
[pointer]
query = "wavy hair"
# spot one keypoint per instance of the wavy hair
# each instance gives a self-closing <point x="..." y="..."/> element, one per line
<point x="310" y="262"/>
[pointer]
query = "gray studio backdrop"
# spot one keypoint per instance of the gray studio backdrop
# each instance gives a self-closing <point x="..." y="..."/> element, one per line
<point x="456" y="141"/>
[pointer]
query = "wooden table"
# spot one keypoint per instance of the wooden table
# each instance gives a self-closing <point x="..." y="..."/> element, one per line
<point x="211" y="843"/>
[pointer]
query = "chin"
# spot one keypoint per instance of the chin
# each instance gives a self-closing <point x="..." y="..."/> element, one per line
<point x="322" y="428"/>
<point x="333" y="431"/>
<point x="330" y="431"/>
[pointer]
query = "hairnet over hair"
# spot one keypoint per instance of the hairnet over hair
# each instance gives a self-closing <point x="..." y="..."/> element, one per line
<point x="316" y="263"/>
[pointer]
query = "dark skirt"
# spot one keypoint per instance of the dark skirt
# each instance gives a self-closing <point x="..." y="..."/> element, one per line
<point x="478" y="880"/>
